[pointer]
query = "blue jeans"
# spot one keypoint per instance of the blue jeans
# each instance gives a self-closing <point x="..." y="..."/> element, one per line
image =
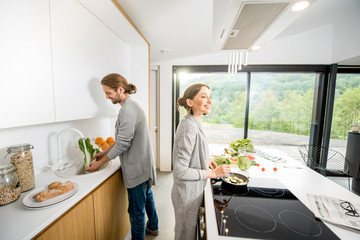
<point x="141" y="200"/>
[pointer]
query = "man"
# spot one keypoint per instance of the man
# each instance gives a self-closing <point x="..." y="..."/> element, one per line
<point x="133" y="146"/>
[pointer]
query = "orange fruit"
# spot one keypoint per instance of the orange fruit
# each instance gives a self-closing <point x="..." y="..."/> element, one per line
<point x="110" y="140"/>
<point x="104" y="146"/>
<point x="99" y="140"/>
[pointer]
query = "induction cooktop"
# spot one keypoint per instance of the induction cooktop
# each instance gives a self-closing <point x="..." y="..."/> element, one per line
<point x="265" y="209"/>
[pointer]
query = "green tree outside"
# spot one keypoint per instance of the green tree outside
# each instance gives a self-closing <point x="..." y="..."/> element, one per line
<point x="279" y="102"/>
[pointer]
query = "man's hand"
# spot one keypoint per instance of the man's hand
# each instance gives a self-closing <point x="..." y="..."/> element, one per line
<point x="98" y="156"/>
<point x="101" y="159"/>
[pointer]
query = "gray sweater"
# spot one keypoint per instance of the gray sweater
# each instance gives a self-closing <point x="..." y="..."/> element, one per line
<point x="133" y="145"/>
<point x="191" y="161"/>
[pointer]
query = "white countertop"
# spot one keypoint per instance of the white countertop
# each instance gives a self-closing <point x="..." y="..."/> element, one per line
<point x="300" y="181"/>
<point x="18" y="222"/>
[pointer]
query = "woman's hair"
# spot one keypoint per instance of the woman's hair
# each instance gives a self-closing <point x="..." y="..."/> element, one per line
<point x="190" y="93"/>
<point x="115" y="80"/>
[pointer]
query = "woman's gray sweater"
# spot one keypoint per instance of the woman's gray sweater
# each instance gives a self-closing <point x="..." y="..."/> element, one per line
<point x="191" y="161"/>
<point x="133" y="145"/>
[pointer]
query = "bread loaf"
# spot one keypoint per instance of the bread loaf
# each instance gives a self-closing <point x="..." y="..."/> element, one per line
<point x="54" y="185"/>
<point x="54" y="189"/>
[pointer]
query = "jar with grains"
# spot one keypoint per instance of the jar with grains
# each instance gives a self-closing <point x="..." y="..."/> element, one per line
<point x="9" y="185"/>
<point x="22" y="160"/>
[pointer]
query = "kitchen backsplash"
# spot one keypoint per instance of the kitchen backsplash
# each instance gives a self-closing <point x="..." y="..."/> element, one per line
<point x="44" y="139"/>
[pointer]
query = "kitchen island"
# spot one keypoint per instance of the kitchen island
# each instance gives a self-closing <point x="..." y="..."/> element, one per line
<point x="294" y="176"/>
<point x="86" y="212"/>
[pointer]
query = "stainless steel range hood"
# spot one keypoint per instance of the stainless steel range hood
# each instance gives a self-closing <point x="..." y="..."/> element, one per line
<point x="248" y="23"/>
<point x="251" y="22"/>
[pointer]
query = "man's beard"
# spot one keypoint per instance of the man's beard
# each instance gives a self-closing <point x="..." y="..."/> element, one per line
<point x="115" y="101"/>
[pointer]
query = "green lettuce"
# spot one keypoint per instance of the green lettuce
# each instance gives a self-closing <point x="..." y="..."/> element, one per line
<point x="90" y="151"/>
<point x="244" y="163"/>
<point x="220" y="160"/>
<point x="238" y="146"/>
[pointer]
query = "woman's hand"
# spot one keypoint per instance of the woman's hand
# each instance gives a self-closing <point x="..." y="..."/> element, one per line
<point x="221" y="171"/>
<point x="212" y="164"/>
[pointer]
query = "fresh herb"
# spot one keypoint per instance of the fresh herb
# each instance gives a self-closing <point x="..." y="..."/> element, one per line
<point x="90" y="151"/>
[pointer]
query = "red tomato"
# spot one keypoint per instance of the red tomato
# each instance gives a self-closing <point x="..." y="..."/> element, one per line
<point x="263" y="169"/>
<point x="250" y="157"/>
<point x="275" y="169"/>
<point x="258" y="164"/>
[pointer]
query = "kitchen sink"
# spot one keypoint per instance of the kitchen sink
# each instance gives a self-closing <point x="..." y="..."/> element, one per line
<point x="76" y="168"/>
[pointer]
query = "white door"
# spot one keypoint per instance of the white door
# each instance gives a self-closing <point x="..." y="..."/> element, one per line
<point x="154" y="119"/>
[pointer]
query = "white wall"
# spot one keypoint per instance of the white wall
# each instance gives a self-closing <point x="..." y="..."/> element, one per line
<point x="44" y="138"/>
<point x="139" y="68"/>
<point x="347" y="36"/>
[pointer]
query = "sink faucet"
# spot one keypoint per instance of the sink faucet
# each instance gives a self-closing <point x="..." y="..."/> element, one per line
<point x="60" y="160"/>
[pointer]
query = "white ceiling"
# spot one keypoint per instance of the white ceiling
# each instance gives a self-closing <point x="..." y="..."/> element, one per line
<point x="186" y="27"/>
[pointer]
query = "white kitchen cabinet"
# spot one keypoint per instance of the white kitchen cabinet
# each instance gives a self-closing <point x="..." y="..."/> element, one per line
<point x="54" y="53"/>
<point x="26" y="87"/>
<point x="84" y="50"/>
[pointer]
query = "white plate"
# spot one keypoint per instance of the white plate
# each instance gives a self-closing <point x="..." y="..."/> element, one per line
<point x="29" y="202"/>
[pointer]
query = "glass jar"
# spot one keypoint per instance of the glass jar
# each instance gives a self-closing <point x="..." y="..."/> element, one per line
<point x="22" y="160"/>
<point x="9" y="185"/>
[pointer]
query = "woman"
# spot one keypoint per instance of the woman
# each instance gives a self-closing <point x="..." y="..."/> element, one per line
<point x="191" y="161"/>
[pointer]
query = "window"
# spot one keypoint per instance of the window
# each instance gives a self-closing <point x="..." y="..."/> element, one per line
<point x="280" y="105"/>
<point x="346" y="109"/>
<point x="281" y="110"/>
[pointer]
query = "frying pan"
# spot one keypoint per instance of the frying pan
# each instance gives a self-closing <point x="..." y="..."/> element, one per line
<point x="235" y="188"/>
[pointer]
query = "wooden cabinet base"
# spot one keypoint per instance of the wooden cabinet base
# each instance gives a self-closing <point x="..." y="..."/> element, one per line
<point x="101" y="215"/>
<point x="76" y="224"/>
<point x="110" y="209"/>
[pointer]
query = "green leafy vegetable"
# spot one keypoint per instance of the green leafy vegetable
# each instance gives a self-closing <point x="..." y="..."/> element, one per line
<point x="239" y="146"/>
<point x="90" y="151"/>
<point x="221" y="160"/>
<point x="244" y="163"/>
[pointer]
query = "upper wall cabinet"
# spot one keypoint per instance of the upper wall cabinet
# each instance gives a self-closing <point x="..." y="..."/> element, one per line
<point x="26" y="91"/>
<point x="54" y="53"/>
<point x="84" y="51"/>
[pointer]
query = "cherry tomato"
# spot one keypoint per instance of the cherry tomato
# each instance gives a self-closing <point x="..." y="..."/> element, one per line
<point x="258" y="164"/>
<point x="263" y="169"/>
<point x="250" y="157"/>
<point x="275" y="169"/>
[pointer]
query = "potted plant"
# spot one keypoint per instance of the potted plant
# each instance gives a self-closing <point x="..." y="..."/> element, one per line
<point x="355" y="127"/>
